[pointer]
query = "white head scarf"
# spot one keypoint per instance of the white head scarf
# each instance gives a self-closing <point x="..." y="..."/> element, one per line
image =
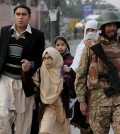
<point x="91" y="35"/>
<point x="90" y="24"/>
<point x="51" y="79"/>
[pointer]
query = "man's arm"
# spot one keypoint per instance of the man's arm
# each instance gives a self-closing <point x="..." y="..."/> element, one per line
<point x="81" y="76"/>
<point x="81" y="80"/>
<point x="40" y="47"/>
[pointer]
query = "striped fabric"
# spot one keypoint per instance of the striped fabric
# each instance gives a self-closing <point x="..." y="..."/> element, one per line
<point x="12" y="67"/>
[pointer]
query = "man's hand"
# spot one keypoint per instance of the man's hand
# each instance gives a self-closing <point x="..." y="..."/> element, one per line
<point x="83" y="108"/>
<point x="25" y="65"/>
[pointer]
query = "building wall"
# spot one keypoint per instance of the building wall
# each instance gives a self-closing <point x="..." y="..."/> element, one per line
<point x="5" y="15"/>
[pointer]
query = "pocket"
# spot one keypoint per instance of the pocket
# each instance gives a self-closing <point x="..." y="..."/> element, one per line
<point x="92" y="115"/>
<point x="93" y="82"/>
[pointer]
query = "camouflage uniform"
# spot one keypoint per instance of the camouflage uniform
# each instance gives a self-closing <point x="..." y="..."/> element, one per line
<point x="102" y="110"/>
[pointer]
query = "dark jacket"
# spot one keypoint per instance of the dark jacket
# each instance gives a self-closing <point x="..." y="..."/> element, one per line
<point x="33" y="48"/>
<point x="68" y="87"/>
<point x="67" y="57"/>
<point x="69" y="77"/>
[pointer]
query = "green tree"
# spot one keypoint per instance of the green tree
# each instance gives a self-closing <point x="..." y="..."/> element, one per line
<point x="102" y="4"/>
<point x="71" y="8"/>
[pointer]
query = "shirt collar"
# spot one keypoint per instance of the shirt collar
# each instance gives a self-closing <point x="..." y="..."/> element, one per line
<point x="28" y="29"/>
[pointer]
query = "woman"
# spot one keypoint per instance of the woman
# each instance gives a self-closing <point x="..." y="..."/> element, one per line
<point x="89" y="33"/>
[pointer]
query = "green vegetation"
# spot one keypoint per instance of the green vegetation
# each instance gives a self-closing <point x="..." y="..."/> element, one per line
<point x="73" y="9"/>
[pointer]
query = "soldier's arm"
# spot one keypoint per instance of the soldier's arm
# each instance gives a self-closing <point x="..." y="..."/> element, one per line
<point x="81" y="75"/>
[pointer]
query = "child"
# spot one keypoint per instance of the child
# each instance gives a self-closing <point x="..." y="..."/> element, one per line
<point x="50" y="81"/>
<point x="62" y="46"/>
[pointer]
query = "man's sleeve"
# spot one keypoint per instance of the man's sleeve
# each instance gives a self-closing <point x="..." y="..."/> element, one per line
<point x="81" y="76"/>
<point x="77" y="56"/>
<point x="40" y="40"/>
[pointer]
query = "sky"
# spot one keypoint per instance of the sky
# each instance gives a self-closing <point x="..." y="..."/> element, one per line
<point x="114" y="2"/>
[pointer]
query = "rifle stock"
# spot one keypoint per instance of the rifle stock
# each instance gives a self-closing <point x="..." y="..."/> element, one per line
<point x="112" y="74"/>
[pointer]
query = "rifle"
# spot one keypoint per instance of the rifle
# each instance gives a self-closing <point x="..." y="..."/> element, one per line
<point x="111" y="75"/>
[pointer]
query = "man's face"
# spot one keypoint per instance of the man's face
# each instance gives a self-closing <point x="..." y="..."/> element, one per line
<point x="21" y="18"/>
<point x="111" y="30"/>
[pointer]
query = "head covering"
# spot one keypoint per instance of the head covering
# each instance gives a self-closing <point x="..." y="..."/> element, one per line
<point x="63" y="39"/>
<point x="51" y="79"/>
<point x="90" y="24"/>
<point x="108" y="17"/>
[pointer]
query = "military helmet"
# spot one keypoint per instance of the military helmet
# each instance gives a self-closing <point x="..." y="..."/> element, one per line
<point x="108" y="17"/>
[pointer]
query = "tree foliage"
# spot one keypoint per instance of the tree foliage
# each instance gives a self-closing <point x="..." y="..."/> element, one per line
<point x="73" y="8"/>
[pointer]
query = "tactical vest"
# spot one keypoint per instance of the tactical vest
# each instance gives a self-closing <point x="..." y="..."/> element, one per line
<point x="97" y="65"/>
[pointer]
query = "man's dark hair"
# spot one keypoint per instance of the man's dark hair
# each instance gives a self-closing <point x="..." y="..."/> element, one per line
<point x="23" y="6"/>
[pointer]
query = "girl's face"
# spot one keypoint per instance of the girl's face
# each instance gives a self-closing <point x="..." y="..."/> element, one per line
<point x="91" y="30"/>
<point x="48" y="60"/>
<point x="60" y="46"/>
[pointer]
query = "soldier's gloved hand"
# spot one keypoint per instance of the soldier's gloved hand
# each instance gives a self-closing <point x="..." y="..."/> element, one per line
<point x="83" y="108"/>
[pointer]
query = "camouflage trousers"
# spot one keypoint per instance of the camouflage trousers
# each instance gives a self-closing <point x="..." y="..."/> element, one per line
<point x="86" y="131"/>
<point x="101" y="117"/>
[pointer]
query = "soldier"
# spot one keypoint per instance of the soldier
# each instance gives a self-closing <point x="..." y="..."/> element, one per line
<point x="101" y="110"/>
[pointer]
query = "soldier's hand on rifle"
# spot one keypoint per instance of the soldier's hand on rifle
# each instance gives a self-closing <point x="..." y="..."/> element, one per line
<point x="83" y="108"/>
